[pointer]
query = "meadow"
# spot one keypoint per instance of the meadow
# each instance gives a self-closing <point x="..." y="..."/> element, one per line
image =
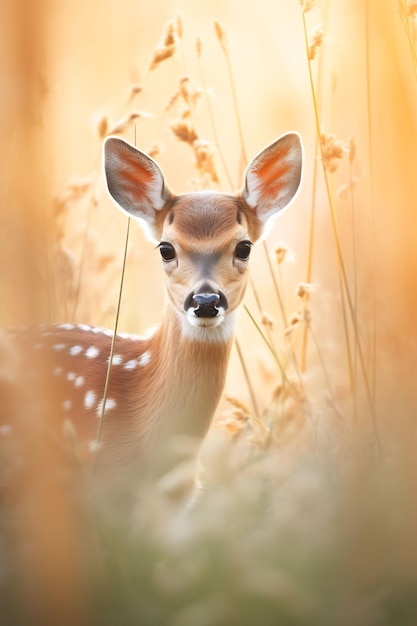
<point x="308" y="513"/>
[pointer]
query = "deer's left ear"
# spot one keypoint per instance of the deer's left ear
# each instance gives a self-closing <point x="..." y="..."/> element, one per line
<point x="273" y="177"/>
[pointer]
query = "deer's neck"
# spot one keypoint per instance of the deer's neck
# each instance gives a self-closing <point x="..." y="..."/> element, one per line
<point x="187" y="373"/>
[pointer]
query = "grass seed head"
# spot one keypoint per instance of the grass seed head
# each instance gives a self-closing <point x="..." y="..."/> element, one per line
<point x="179" y="26"/>
<point x="281" y="252"/>
<point x="122" y="125"/>
<point x="166" y="48"/>
<point x="154" y="150"/>
<point x="307" y="5"/>
<point x="315" y="40"/>
<point x="102" y="126"/>
<point x="234" y="421"/>
<point x="76" y="189"/>
<point x="240" y="404"/>
<point x="188" y="92"/>
<point x="135" y="90"/>
<point x="184" y="130"/>
<point x="411" y="8"/>
<point x="221" y="36"/>
<point x="294" y="322"/>
<point x="204" y="158"/>
<point x="267" y="321"/>
<point x="332" y="151"/>
<point x="198" y="47"/>
<point x="304" y="290"/>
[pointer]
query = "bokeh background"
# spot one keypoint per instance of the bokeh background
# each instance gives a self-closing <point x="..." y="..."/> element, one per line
<point x="70" y="71"/>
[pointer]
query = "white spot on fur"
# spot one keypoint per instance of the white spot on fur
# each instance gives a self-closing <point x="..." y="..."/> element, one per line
<point x="145" y="358"/>
<point x="70" y="376"/>
<point x="92" y="352"/>
<point x="149" y="333"/>
<point x="57" y="371"/>
<point x="59" y="346"/>
<point x="84" y="327"/>
<point x="117" y="359"/>
<point x="79" y="381"/>
<point x="67" y="405"/>
<point x="107" y="332"/>
<point x="74" y="350"/>
<point x="131" y="365"/>
<point x="66" y="326"/>
<point x="38" y="346"/>
<point x="89" y="399"/>
<point x="110" y="404"/>
<point x="96" y="329"/>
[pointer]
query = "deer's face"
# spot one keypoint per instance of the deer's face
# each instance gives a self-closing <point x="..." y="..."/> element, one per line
<point x="205" y="237"/>
<point x="205" y="248"/>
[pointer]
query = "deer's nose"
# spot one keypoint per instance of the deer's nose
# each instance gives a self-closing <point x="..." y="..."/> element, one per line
<point x="206" y="304"/>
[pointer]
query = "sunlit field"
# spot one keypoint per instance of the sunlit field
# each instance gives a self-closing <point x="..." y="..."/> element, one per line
<point x="308" y="511"/>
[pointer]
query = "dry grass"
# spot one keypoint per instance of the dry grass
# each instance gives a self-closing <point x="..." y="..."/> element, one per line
<point x="308" y="513"/>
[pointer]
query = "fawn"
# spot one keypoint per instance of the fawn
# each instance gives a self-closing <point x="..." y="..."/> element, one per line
<point x="166" y="385"/>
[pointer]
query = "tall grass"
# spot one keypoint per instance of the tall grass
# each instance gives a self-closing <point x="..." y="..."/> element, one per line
<point x="299" y="522"/>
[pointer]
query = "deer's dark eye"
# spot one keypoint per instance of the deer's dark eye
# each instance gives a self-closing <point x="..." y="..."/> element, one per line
<point x="242" y="251"/>
<point x="167" y="251"/>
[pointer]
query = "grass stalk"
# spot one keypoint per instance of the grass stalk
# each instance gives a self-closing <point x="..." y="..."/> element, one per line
<point x="310" y="251"/>
<point x="339" y="255"/>
<point x="275" y="284"/>
<point x="213" y="123"/>
<point x="268" y="332"/>
<point x="248" y="380"/>
<point x="267" y="343"/>
<point x="221" y="35"/>
<point x="355" y="277"/>
<point x="113" y="343"/>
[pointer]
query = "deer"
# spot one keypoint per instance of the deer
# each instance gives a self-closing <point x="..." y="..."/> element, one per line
<point x="164" y="387"/>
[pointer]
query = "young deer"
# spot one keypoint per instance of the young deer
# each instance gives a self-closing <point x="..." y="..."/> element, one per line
<point x="166" y="386"/>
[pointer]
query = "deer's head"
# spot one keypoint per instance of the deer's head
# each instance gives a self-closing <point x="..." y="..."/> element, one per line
<point x="204" y="238"/>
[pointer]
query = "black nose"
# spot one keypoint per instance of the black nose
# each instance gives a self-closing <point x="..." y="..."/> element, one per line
<point x="206" y="304"/>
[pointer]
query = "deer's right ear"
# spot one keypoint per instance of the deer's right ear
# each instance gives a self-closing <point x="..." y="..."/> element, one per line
<point x="135" y="182"/>
<point x="273" y="177"/>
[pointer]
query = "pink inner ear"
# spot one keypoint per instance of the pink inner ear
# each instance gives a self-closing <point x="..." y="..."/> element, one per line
<point x="271" y="173"/>
<point x="272" y="180"/>
<point x="135" y="178"/>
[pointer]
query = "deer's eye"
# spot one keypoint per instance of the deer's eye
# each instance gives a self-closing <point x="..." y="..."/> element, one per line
<point x="242" y="250"/>
<point x="167" y="251"/>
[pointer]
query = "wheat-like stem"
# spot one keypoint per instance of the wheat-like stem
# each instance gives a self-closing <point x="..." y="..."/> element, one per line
<point x="222" y="37"/>
<point x="113" y="345"/>
<point x="213" y="123"/>
<point x="310" y="250"/>
<point x="267" y="343"/>
<point x="268" y="331"/>
<point x="339" y="255"/>
<point x="355" y="275"/>
<point x="313" y="211"/>
<point x="248" y="380"/>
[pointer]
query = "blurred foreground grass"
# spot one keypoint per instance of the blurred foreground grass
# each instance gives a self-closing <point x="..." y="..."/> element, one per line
<point x="324" y="540"/>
